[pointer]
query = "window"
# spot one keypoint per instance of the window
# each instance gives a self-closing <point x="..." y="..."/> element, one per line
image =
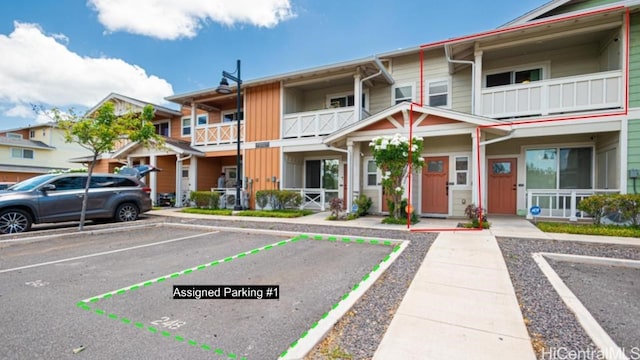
<point x="514" y="77"/>
<point x="14" y="136"/>
<point x="32" y="134"/>
<point x="438" y="93"/>
<point x="344" y="100"/>
<point x="462" y="170"/>
<point x="402" y="93"/>
<point x="559" y="168"/>
<point x="202" y="120"/>
<point x="186" y="126"/>
<point x="230" y="115"/>
<point x="371" y="173"/>
<point x="162" y="128"/>
<point x="21" y="153"/>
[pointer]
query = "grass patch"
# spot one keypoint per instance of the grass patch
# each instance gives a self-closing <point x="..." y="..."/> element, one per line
<point x="589" y="229"/>
<point x="398" y="221"/>
<point x="275" y="213"/>
<point x="224" y="212"/>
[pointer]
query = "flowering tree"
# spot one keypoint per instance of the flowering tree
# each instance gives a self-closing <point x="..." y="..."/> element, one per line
<point x="391" y="154"/>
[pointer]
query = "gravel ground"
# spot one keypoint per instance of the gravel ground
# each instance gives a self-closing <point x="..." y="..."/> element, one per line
<point x="551" y="324"/>
<point x="358" y="334"/>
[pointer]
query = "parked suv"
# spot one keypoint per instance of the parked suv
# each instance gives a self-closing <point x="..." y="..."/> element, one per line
<point x="58" y="197"/>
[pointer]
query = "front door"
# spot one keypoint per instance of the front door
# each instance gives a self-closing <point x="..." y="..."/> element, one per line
<point x="502" y="186"/>
<point x="435" y="185"/>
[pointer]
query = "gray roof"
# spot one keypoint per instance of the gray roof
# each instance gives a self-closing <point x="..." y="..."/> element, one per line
<point x="24" y="143"/>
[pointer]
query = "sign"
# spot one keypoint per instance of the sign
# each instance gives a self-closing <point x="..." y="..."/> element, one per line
<point x="535" y="210"/>
<point x="354" y="208"/>
<point x="262" y="145"/>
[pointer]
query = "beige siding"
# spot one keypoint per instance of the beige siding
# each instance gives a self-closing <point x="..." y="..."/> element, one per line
<point x="460" y="196"/>
<point x="317" y="99"/>
<point x="461" y="91"/>
<point x="447" y="144"/>
<point x="514" y="146"/>
<point x="379" y="99"/>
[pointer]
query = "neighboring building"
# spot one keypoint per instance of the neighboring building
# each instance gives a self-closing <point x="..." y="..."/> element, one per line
<point x="34" y="150"/>
<point x="544" y="110"/>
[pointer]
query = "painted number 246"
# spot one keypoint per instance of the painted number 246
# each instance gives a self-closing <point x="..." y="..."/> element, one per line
<point x="166" y="322"/>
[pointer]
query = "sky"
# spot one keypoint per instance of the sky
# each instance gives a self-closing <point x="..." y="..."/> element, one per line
<point x="71" y="54"/>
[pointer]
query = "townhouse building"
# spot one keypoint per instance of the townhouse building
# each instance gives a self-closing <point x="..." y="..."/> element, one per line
<point x="541" y="111"/>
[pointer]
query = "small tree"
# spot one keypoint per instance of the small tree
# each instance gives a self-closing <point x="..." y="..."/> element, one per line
<point x="391" y="154"/>
<point x="101" y="131"/>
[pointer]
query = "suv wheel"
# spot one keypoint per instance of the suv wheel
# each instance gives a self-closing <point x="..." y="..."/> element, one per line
<point x="127" y="212"/>
<point x="14" y="221"/>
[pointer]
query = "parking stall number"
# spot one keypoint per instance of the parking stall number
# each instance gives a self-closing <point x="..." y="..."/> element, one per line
<point x="166" y="322"/>
<point x="37" y="283"/>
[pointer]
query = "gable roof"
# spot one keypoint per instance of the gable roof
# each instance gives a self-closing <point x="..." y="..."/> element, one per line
<point x="24" y="143"/>
<point x="540" y="10"/>
<point x="403" y="108"/>
<point x="138" y="103"/>
<point x="175" y="146"/>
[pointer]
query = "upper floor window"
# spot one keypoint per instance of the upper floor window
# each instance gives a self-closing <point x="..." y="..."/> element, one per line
<point x="202" y="120"/>
<point x="32" y="134"/>
<point x="344" y="100"/>
<point x="186" y="126"/>
<point x="14" y="136"/>
<point x="514" y="77"/>
<point x="21" y="153"/>
<point x="230" y="115"/>
<point x="162" y="128"/>
<point x="438" y="92"/>
<point x="402" y="93"/>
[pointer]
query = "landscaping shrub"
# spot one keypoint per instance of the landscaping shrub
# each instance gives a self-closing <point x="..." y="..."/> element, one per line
<point x="205" y="199"/>
<point x="596" y="206"/>
<point x="335" y="205"/>
<point x="278" y="199"/>
<point x="263" y="197"/>
<point x="364" y="204"/>
<point x="403" y="214"/>
<point x="627" y="204"/>
<point x="474" y="213"/>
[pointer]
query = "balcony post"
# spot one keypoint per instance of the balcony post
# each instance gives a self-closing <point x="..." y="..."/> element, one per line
<point x="529" y="204"/>
<point x="477" y="82"/>
<point x="572" y="216"/>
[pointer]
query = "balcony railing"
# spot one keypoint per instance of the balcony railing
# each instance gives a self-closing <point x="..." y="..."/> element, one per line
<point x="221" y="133"/>
<point x="561" y="204"/>
<point x="569" y="94"/>
<point x="315" y="199"/>
<point x="317" y="123"/>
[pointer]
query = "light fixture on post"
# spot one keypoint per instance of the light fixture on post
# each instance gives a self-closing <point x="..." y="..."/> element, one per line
<point x="224" y="88"/>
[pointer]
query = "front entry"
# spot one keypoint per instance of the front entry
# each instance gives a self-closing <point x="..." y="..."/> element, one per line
<point x="435" y="185"/>
<point x="502" y="186"/>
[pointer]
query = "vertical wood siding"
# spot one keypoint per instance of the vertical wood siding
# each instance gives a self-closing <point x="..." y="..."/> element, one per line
<point x="260" y="165"/>
<point x="262" y="113"/>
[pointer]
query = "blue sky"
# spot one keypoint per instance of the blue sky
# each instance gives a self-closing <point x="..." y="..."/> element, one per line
<point x="73" y="53"/>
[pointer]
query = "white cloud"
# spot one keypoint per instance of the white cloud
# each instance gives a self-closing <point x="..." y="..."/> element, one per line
<point x="37" y="69"/>
<point x="173" y="19"/>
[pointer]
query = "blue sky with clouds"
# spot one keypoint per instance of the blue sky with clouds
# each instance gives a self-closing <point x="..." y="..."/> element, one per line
<point x="73" y="53"/>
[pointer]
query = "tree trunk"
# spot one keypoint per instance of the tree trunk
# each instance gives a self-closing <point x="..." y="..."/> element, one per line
<point x="85" y="198"/>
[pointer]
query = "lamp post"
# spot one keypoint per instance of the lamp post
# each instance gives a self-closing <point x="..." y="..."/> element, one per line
<point x="224" y="89"/>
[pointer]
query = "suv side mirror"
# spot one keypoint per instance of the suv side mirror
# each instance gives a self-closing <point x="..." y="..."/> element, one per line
<point x="48" y="187"/>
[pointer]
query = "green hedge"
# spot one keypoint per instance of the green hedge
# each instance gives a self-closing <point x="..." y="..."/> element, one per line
<point x="205" y="199"/>
<point x="599" y="205"/>
<point x="278" y="199"/>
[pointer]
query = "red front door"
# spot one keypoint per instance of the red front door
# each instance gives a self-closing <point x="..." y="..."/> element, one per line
<point x="502" y="186"/>
<point x="435" y="188"/>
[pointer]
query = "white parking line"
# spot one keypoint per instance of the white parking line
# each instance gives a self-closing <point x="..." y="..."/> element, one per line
<point x="107" y="252"/>
<point x="87" y="232"/>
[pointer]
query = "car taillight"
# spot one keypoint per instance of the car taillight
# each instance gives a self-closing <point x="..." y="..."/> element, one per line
<point x="147" y="190"/>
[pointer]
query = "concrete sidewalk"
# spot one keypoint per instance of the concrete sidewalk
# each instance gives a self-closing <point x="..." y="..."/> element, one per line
<point x="460" y="305"/>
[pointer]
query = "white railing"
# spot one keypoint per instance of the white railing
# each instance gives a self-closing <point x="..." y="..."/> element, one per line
<point x="317" y="123"/>
<point x="315" y="199"/>
<point x="574" y="93"/>
<point x="562" y="204"/>
<point x="222" y="133"/>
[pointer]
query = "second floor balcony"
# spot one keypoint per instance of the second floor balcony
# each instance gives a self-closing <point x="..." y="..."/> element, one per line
<point x="318" y="123"/>
<point x="220" y="133"/>
<point x="590" y="92"/>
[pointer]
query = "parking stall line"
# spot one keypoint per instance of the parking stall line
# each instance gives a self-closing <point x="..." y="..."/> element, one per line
<point x="107" y="252"/>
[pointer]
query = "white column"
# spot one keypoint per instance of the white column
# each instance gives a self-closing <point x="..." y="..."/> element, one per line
<point x="477" y="83"/>
<point x="178" y="181"/>
<point x="357" y="169"/>
<point x="349" y="183"/>
<point x="475" y="169"/>
<point x="483" y="174"/>
<point x="193" y="123"/>
<point x="193" y="174"/>
<point x="153" y="179"/>
<point x="357" y="95"/>
<point x="624" y="153"/>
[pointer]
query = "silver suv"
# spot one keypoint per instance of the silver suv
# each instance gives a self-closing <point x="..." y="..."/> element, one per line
<point x="58" y="197"/>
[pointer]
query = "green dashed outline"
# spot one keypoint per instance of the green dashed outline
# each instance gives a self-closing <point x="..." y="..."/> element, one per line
<point x="83" y="303"/>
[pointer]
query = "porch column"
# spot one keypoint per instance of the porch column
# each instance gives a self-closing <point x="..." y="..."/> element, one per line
<point x="178" y="181"/>
<point x="356" y="167"/>
<point x="478" y="170"/>
<point x="357" y="96"/>
<point x="624" y="153"/>
<point x="475" y="169"/>
<point x="350" y="172"/>
<point x="484" y="179"/>
<point x="192" y="123"/>
<point x="193" y="174"/>
<point x="153" y="179"/>
<point x="477" y="83"/>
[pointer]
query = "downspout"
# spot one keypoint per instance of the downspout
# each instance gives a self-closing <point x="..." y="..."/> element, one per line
<point x="473" y="76"/>
<point x="380" y="72"/>
<point x="179" y="161"/>
<point x="506" y="137"/>
<point x="349" y="175"/>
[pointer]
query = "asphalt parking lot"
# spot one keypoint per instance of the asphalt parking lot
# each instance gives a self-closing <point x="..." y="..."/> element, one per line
<point x="107" y="293"/>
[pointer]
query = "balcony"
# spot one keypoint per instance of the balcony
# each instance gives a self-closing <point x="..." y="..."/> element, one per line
<point x="596" y="91"/>
<point x="215" y="134"/>
<point x="317" y="123"/>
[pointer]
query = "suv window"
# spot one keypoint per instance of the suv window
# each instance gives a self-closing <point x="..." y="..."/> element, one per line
<point x="110" y="181"/>
<point x="70" y="183"/>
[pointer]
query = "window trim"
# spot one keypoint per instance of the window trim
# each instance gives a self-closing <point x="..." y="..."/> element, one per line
<point x="227" y="112"/>
<point x="395" y="101"/>
<point x="560" y="147"/>
<point x="168" y="122"/>
<point x="365" y="162"/>
<point x="428" y="95"/>
<point x="200" y="117"/>
<point x="456" y="171"/>
<point x="12" y="135"/>
<point x="183" y="127"/>
<point x="22" y="150"/>
<point x="544" y="65"/>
